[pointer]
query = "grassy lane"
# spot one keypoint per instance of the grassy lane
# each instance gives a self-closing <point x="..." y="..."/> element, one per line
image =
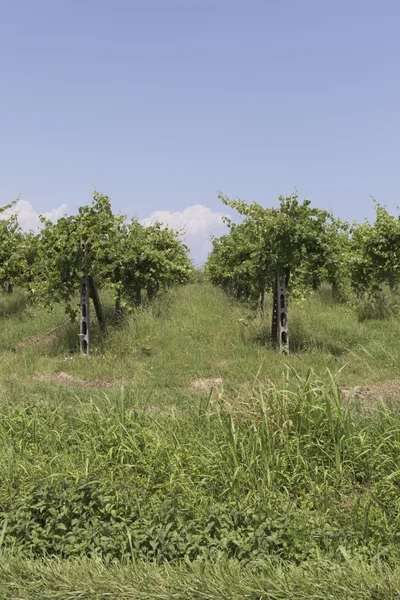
<point x="196" y="332"/>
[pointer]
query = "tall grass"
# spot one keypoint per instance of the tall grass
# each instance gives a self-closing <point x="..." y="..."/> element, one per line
<point x="271" y="485"/>
<point x="227" y="580"/>
<point x="290" y="473"/>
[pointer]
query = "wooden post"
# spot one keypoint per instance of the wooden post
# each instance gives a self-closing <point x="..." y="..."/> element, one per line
<point x="84" y="321"/>
<point x="94" y="295"/>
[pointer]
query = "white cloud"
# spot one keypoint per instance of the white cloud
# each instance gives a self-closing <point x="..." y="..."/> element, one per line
<point x="199" y="223"/>
<point x="28" y="218"/>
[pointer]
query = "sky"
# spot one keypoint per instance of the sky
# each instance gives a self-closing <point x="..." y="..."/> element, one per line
<point x="160" y="104"/>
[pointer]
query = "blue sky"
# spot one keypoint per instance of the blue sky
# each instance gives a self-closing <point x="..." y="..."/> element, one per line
<point x="161" y="103"/>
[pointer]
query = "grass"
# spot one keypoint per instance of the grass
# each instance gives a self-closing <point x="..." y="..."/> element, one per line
<point x="197" y="332"/>
<point x="120" y="480"/>
<point x="92" y="580"/>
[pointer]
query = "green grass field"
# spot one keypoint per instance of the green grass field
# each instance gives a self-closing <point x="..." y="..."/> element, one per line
<point x="187" y="459"/>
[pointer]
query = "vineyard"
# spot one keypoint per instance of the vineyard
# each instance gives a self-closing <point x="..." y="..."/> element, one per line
<point x="92" y="249"/>
<point x="302" y="247"/>
<point x="295" y="247"/>
<point x="186" y="457"/>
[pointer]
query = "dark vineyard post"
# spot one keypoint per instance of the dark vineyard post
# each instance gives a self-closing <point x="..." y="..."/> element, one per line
<point x="84" y="335"/>
<point x="283" y="328"/>
<point x="280" y="330"/>
<point x="274" y="327"/>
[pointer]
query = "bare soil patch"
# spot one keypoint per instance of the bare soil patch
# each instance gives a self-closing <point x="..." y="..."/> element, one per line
<point x="204" y="385"/>
<point x="62" y="378"/>
<point x="49" y="336"/>
<point x="389" y="390"/>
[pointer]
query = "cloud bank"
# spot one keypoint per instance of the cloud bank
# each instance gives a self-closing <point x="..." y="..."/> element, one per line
<point x="199" y="224"/>
<point x="28" y="218"/>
